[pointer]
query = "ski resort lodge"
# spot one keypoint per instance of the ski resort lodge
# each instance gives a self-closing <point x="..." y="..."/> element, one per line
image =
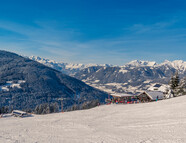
<point x="146" y="96"/>
<point x="124" y="98"/>
<point x="149" y="96"/>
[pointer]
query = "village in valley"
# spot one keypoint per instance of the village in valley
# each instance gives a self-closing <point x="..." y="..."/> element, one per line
<point x="156" y="92"/>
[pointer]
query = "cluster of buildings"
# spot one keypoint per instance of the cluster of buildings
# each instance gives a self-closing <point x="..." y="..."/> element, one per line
<point x="146" y="96"/>
<point x="154" y="93"/>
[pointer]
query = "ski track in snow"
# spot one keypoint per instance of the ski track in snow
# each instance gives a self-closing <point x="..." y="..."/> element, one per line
<point x="156" y="122"/>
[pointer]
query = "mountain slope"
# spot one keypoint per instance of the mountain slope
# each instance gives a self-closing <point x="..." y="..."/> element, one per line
<point x="132" y="77"/>
<point x="126" y="79"/>
<point x="156" y="122"/>
<point x="26" y="83"/>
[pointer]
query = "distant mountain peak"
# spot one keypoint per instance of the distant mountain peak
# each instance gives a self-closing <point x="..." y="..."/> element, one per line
<point x="67" y="68"/>
<point x="137" y="63"/>
<point x="177" y="64"/>
<point x="72" y="68"/>
<point x="41" y="60"/>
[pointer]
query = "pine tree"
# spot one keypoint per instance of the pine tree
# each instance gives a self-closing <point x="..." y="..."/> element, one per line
<point x="174" y="83"/>
<point x="176" y="79"/>
<point x="47" y="109"/>
<point x="182" y="87"/>
<point x="56" y="107"/>
<point x="37" y="109"/>
<point x="40" y="109"/>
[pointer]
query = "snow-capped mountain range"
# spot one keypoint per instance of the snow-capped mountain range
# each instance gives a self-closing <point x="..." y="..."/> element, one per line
<point x="67" y="68"/>
<point x="138" y="63"/>
<point x="179" y="65"/>
<point x="132" y="77"/>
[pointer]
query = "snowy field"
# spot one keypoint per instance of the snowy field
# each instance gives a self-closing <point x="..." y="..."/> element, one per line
<point x="157" y="122"/>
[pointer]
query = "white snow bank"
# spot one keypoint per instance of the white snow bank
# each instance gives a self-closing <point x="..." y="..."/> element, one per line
<point x="157" y="122"/>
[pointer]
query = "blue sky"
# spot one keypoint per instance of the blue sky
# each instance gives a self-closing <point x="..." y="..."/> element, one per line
<point x="95" y="31"/>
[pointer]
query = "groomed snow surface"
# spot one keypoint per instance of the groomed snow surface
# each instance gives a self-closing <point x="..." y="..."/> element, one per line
<point x="156" y="122"/>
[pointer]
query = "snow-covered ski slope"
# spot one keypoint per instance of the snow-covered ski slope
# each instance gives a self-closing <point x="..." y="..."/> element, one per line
<point x="157" y="122"/>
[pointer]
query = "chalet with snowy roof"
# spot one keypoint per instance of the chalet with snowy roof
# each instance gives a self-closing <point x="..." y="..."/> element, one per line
<point x="123" y="97"/>
<point x="149" y="96"/>
<point x="159" y="87"/>
<point x="18" y="113"/>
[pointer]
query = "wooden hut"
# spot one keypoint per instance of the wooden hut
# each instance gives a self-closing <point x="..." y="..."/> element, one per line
<point x="18" y="113"/>
<point x="149" y="96"/>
